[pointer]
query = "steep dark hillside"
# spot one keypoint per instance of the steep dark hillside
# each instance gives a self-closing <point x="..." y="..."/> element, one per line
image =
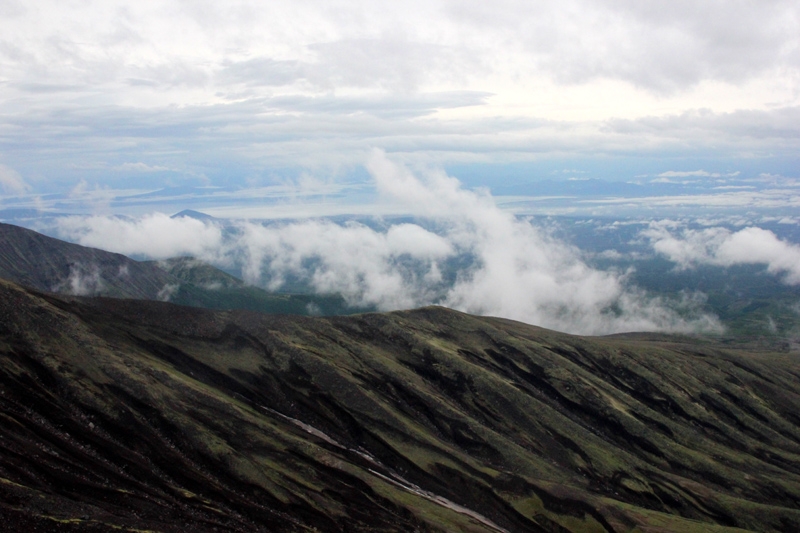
<point x="122" y="414"/>
<point x="48" y="264"/>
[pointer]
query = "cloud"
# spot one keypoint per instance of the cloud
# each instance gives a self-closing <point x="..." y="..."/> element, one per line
<point x="156" y="235"/>
<point x="11" y="182"/>
<point x="141" y="167"/>
<point x="654" y="45"/>
<point x="520" y="271"/>
<point x="378" y="62"/>
<point x="356" y="44"/>
<point x="722" y="247"/>
<point x="244" y="88"/>
<point x="395" y="269"/>
<point x="696" y="173"/>
<point x="83" y="280"/>
<point x="461" y="251"/>
<point x="167" y="292"/>
<point x="392" y="63"/>
<point x="392" y="107"/>
<point x="263" y="71"/>
<point x="703" y="131"/>
<point x="777" y="181"/>
<point x="329" y="135"/>
<point x="770" y="200"/>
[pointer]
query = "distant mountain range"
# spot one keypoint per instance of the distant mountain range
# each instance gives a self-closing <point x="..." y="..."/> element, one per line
<point x="191" y="213"/>
<point x="129" y="414"/>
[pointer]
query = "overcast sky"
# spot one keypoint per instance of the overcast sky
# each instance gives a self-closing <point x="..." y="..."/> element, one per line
<point x="141" y="95"/>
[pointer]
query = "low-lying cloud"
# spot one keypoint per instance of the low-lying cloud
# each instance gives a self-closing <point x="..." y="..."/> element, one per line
<point x="720" y="246"/>
<point x="155" y="235"/>
<point x="11" y="182"/>
<point x="83" y="280"/>
<point x="462" y="251"/>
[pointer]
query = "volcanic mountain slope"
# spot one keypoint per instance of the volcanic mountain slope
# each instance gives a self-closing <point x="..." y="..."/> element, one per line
<point x="40" y="262"/>
<point x="49" y="264"/>
<point x="134" y="415"/>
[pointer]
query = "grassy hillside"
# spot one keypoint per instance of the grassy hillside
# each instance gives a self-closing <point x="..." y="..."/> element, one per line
<point x="149" y="416"/>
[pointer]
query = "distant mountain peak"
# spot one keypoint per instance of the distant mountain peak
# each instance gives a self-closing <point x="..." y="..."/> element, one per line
<point x="191" y="213"/>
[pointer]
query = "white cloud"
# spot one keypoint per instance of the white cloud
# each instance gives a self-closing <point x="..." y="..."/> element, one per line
<point x="521" y="272"/>
<point x="393" y="270"/>
<point x="348" y="44"/>
<point x="467" y="254"/>
<point x="651" y="44"/>
<point x="768" y="199"/>
<point x="167" y="292"/>
<point x="614" y="255"/>
<point x="722" y="247"/>
<point x="11" y="182"/>
<point x="695" y="173"/>
<point x="141" y="167"/>
<point x="156" y="235"/>
<point x="83" y="280"/>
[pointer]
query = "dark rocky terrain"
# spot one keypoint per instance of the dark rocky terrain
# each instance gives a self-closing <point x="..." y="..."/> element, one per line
<point x="130" y="415"/>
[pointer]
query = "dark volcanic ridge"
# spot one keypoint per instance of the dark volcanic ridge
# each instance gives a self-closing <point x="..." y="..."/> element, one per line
<point x="135" y="415"/>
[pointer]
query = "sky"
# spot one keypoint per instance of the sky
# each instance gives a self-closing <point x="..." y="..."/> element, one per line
<point x="298" y="110"/>
<point x="141" y="95"/>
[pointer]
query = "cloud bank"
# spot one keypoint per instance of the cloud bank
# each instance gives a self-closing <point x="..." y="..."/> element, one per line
<point x="316" y="44"/>
<point x="155" y="235"/>
<point x="463" y="252"/>
<point x="719" y="246"/>
<point x="11" y="182"/>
